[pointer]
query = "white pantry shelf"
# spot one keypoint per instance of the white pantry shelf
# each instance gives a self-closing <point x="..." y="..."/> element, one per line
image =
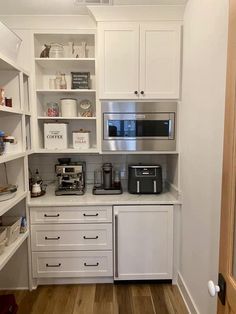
<point x="7" y="205"/>
<point x="11" y="249"/>
<point x="69" y="150"/>
<point x="54" y="63"/>
<point x="51" y="91"/>
<point x="10" y="110"/>
<point x="66" y="118"/>
<point x="12" y="156"/>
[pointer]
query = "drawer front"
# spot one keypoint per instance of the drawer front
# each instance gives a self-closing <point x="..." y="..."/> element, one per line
<point x="71" y="237"/>
<point x="72" y="264"/>
<point x="80" y="214"/>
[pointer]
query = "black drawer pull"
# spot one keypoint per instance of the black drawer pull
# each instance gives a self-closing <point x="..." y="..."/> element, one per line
<point x="91" y="265"/>
<point x="51" y="216"/>
<point x="87" y="238"/>
<point x="57" y="238"/>
<point x="87" y="215"/>
<point x="57" y="265"/>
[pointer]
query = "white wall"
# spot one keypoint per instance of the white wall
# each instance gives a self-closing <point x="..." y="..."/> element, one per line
<point x="201" y="121"/>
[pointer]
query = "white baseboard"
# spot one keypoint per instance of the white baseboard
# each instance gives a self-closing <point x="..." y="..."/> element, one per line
<point x="66" y="281"/>
<point x="14" y="288"/>
<point x="188" y="300"/>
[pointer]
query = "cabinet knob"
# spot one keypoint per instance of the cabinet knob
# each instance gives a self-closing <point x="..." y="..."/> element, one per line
<point x="142" y="92"/>
<point x="136" y="92"/>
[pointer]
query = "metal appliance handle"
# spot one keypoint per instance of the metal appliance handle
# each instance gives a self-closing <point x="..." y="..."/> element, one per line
<point x="116" y="246"/>
<point x="154" y="186"/>
<point x="138" y="186"/>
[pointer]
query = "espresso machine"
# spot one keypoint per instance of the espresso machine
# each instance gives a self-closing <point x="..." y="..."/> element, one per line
<point x="70" y="178"/>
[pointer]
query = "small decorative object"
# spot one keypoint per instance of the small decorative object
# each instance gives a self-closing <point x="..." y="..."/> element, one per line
<point x="2" y="96"/>
<point x="58" y="81"/>
<point x="68" y="107"/>
<point x="45" y="52"/>
<point x="83" y="49"/>
<point x="52" y="109"/>
<point x="63" y="84"/>
<point x="11" y="144"/>
<point x="81" y="139"/>
<point x="85" y="108"/>
<point x="80" y="80"/>
<point x="55" y="136"/>
<point x="8" y="102"/>
<point x="2" y="143"/>
<point x="23" y="226"/>
<point x="71" y="50"/>
<point x="56" y="51"/>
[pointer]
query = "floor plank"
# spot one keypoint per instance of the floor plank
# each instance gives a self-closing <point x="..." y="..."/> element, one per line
<point x="101" y="299"/>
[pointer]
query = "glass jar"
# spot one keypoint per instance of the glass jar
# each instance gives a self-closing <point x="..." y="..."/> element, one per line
<point x="63" y="81"/>
<point x="52" y="109"/>
<point x="56" y="51"/>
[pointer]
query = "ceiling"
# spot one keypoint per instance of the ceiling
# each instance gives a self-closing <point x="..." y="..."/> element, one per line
<point x="64" y="7"/>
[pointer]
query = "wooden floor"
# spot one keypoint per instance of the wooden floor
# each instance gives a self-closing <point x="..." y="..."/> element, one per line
<point x="101" y="299"/>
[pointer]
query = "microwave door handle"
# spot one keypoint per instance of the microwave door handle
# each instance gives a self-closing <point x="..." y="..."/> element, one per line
<point x="138" y="186"/>
<point x="172" y="126"/>
<point x="154" y="186"/>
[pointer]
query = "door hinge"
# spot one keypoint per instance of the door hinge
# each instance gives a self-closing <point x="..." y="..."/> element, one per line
<point x="222" y="285"/>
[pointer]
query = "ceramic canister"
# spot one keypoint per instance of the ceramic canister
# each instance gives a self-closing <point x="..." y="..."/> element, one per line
<point x="68" y="107"/>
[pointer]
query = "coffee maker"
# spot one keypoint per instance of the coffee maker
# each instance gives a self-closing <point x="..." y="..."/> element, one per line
<point x="109" y="181"/>
<point x="70" y="178"/>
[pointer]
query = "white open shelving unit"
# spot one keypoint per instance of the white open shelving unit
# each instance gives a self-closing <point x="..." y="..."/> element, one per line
<point x="15" y="121"/>
<point x="46" y="69"/>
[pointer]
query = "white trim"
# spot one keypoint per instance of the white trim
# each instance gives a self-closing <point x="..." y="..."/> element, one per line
<point x="186" y="296"/>
<point x="14" y="288"/>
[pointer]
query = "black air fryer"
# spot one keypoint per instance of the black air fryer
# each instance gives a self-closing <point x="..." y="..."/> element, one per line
<point x="144" y="179"/>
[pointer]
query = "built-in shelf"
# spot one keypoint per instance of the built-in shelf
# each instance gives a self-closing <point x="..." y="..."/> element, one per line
<point x="7" y="205"/>
<point x="55" y="63"/>
<point x="66" y="118"/>
<point x="69" y="151"/>
<point x="12" y="156"/>
<point x="11" y="249"/>
<point x="51" y="91"/>
<point x="10" y="110"/>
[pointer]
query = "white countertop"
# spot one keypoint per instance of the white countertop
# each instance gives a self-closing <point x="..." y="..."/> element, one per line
<point x="49" y="199"/>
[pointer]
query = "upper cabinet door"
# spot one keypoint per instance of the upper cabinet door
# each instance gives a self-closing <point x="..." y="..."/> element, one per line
<point x="118" y="54"/>
<point x="160" y="61"/>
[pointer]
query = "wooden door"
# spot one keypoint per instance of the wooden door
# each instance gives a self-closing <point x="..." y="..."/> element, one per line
<point x="143" y="242"/>
<point x="118" y="54"/>
<point x="227" y="265"/>
<point x="160" y="60"/>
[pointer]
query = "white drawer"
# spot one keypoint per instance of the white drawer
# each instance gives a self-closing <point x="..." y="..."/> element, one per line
<point x="79" y="214"/>
<point x="72" y="264"/>
<point x="71" y="237"/>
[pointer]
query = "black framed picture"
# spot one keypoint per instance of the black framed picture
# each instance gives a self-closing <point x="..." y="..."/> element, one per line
<point x="80" y="80"/>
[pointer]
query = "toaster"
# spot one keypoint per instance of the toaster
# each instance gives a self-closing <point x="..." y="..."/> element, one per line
<point x="144" y="179"/>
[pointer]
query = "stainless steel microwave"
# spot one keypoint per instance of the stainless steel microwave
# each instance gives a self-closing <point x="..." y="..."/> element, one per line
<point x="139" y="126"/>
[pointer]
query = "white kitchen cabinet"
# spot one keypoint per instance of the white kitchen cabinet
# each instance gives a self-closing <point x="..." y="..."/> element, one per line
<point x="119" y="60"/>
<point x="139" y="60"/>
<point x="159" y="61"/>
<point x="143" y="240"/>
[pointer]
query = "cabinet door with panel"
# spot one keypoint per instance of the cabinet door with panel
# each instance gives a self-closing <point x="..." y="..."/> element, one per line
<point x="143" y="237"/>
<point x="159" y="60"/>
<point x="119" y="60"/>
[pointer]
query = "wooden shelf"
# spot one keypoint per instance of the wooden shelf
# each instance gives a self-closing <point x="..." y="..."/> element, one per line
<point x="10" y="110"/>
<point x="66" y="118"/>
<point x="7" y="205"/>
<point x="11" y="249"/>
<point x="9" y="157"/>
<point x="69" y="151"/>
<point x="51" y="91"/>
